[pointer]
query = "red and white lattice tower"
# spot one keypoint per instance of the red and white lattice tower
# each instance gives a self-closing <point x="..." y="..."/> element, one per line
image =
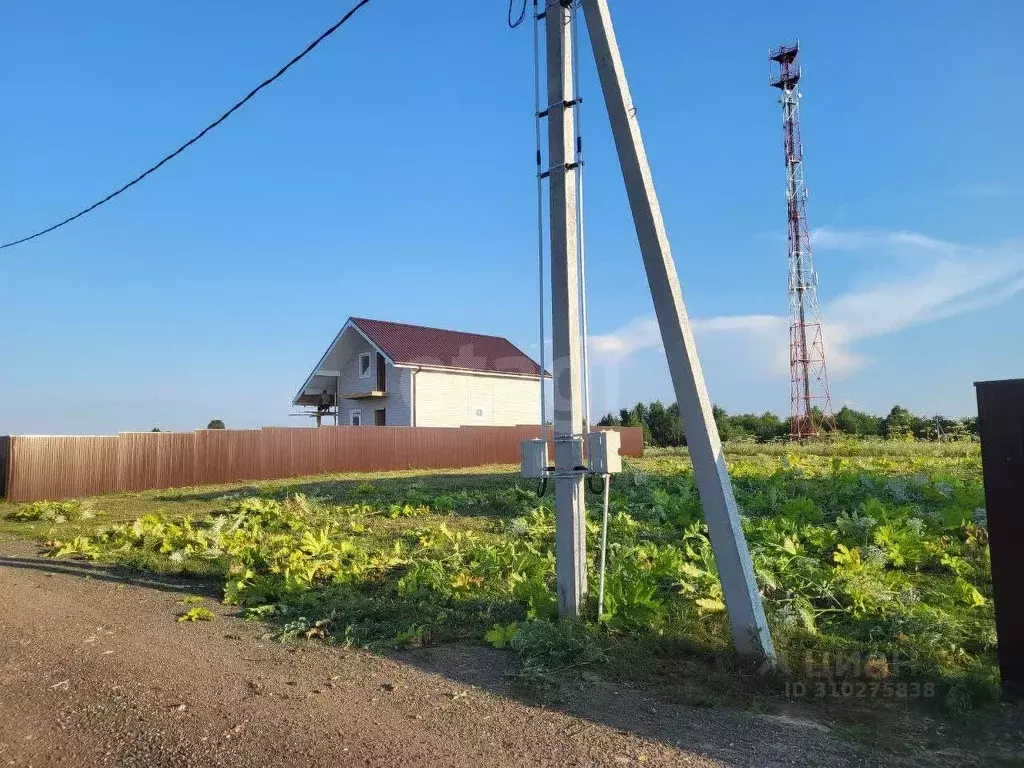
<point x="810" y="402"/>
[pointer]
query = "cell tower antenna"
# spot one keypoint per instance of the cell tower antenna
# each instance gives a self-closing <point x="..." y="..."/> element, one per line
<point x="810" y="402"/>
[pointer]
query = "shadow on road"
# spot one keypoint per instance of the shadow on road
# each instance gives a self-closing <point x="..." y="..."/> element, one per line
<point x="116" y="574"/>
<point x="723" y="730"/>
<point x="622" y="699"/>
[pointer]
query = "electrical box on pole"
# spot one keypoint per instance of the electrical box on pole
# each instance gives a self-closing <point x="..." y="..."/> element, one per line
<point x="535" y="459"/>
<point x="603" y="453"/>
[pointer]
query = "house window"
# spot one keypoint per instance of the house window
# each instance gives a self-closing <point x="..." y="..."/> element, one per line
<point x="355" y="418"/>
<point x="364" y="365"/>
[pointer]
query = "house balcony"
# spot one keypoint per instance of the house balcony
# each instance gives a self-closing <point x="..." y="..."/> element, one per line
<point x="370" y="395"/>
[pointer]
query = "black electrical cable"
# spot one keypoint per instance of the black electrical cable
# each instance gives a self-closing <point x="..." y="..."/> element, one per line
<point x="202" y="133"/>
<point x="522" y="14"/>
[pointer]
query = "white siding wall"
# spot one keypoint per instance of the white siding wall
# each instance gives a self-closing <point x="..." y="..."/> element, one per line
<point x="456" y="399"/>
<point x="398" y="401"/>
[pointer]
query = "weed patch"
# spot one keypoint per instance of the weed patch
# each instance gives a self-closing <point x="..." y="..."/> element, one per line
<point x="52" y="512"/>
<point x="198" y="613"/>
<point x="873" y="568"/>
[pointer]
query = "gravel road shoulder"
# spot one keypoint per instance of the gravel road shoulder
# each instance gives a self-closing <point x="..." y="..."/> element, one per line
<point x="94" y="670"/>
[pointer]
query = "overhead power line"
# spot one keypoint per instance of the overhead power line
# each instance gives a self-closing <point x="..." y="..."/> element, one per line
<point x="330" y="31"/>
<point x="515" y="22"/>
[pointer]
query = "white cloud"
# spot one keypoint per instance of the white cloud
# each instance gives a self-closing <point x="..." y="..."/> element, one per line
<point x="830" y="239"/>
<point x="640" y="333"/>
<point x="951" y="281"/>
<point x="946" y="288"/>
<point x="643" y="333"/>
<point x="749" y="323"/>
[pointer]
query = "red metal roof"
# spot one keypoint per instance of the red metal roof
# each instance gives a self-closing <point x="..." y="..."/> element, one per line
<point x="417" y="345"/>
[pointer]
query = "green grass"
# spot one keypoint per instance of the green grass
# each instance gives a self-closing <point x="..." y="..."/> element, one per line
<point x="198" y="501"/>
<point x="873" y="563"/>
<point x="862" y="448"/>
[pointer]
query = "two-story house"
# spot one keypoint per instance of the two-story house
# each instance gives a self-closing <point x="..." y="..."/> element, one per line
<point x="394" y="374"/>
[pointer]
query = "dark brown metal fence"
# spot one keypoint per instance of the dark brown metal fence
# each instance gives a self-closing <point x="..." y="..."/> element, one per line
<point x="70" y="467"/>
<point x="5" y="443"/>
<point x="1001" y="427"/>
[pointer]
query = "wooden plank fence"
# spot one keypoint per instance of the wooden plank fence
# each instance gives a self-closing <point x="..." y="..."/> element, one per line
<point x="70" y="467"/>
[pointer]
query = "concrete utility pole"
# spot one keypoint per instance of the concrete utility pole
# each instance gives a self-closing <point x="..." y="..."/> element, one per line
<point x="746" y="612"/>
<point x="570" y="537"/>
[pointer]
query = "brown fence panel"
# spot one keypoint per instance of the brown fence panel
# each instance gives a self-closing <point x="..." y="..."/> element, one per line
<point x="138" y="460"/>
<point x="67" y="467"/>
<point x="388" y="451"/>
<point x="282" y="451"/>
<point x="490" y="445"/>
<point x="61" y="467"/>
<point x="177" y="460"/>
<point x="151" y="460"/>
<point x="302" y="454"/>
<point x="373" y="449"/>
<point x="320" y="451"/>
<point x="227" y="455"/>
<point x="422" y="448"/>
<point x="341" y="449"/>
<point x="350" y="454"/>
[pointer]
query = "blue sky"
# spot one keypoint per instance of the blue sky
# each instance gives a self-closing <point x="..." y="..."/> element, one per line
<point x="390" y="175"/>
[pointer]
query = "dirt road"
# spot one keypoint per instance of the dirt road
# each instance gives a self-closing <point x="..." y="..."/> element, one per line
<point x="94" y="670"/>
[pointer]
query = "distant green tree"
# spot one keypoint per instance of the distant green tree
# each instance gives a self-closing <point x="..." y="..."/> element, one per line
<point x="640" y="415"/>
<point x="727" y="430"/>
<point x="664" y="423"/>
<point x="819" y="420"/>
<point x="663" y="426"/>
<point x="637" y="416"/>
<point x="962" y="429"/>
<point x="215" y="424"/>
<point x="942" y="428"/>
<point x="765" y="428"/>
<point x="676" y="416"/>
<point x="155" y="429"/>
<point x="858" y="423"/>
<point x="655" y="422"/>
<point x="899" y="424"/>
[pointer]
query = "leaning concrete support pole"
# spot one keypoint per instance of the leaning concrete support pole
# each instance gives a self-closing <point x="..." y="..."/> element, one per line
<point x="746" y="612"/>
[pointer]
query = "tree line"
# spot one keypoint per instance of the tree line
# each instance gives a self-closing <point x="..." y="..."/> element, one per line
<point x="663" y="426"/>
<point x="215" y="424"/>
